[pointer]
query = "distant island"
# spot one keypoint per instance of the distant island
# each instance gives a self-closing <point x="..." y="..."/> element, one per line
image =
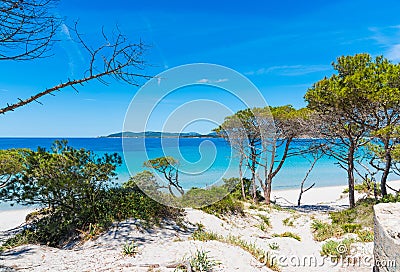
<point x="158" y="134"/>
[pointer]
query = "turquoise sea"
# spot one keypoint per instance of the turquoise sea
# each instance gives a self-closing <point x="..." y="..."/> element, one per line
<point x="203" y="161"/>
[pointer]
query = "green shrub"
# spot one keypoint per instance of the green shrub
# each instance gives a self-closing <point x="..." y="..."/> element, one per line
<point x="79" y="199"/>
<point x="203" y="236"/>
<point x="288" y="234"/>
<point x="273" y="246"/>
<point x="227" y="205"/>
<point x="365" y="235"/>
<point x="259" y="254"/>
<point x="129" y="249"/>
<point x="322" y="230"/>
<point x="350" y="227"/>
<point x="266" y="220"/>
<point x="201" y="262"/>
<point x="390" y="198"/>
<point x="336" y="249"/>
<point x="366" y="187"/>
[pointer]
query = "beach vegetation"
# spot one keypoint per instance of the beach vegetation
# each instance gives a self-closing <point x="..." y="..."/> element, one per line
<point x="288" y="234"/>
<point x="266" y="220"/>
<point x="289" y="221"/>
<point x="249" y="132"/>
<point x="366" y="187"/>
<point x="358" y="112"/>
<point x="365" y="235"/>
<point x="168" y="167"/>
<point x="337" y="249"/>
<point x="274" y="246"/>
<point x="225" y="206"/>
<point x="200" y="261"/>
<point x="261" y="255"/>
<point x="357" y="220"/>
<point x="79" y="200"/>
<point x="323" y="230"/>
<point x="130" y="249"/>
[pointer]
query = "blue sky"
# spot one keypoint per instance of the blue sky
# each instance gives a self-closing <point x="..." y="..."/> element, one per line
<point x="283" y="47"/>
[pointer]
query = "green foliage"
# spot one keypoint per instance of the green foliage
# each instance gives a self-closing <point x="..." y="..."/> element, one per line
<point x="322" y="230"/>
<point x="365" y="235"/>
<point x="203" y="236"/>
<point x="335" y="249"/>
<point x="362" y="214"/>
<point x="227" y="205"/>
<point x="130" y="249"/>
<point x="346" y="221"/>
<point x="233" y="185"/>
<point x="18" y="240"/>
<point x="201" y="262"/>
<point x="365" y="187"/>
<point x="78" y="198"/>
<point x="389" y="198"/>
<point x="289" y="221"/>
<point x="350" y="227"/>
<point x="12" y="163"/>
<point x="274" y="246"/>
<point x="168" y="168"/>
<point x="266" y="222"/>
<point x="288" y="234"/>
<point x="145" y="180"/>
<point x="259" y="254"/>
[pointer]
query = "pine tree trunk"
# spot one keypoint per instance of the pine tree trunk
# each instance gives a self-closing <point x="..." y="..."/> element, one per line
<point x="267" y="190"/>
<point x="386" y="171"/>
<point x="350" y="176"/>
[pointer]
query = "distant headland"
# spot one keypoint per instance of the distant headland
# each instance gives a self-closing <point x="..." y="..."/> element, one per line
<point x="158" y="134"/>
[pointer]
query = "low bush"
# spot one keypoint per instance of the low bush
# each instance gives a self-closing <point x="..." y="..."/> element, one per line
<point x="288" y="234"/>
<point x="129" y="249"/>
<point x="350" y="227"/>
<point x="227" y="205"/>
<point x="335" y="249"/>
<point x="322" y="230"/>
<point x="365" y="235"/>
<point x="261" y="255"/>
<point x="79" y="200"/>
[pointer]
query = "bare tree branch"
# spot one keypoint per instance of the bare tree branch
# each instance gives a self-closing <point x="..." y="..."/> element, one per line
<point x="115" y="58"/>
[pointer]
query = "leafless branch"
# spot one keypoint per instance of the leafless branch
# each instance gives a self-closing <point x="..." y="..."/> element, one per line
<point x="115" y="58"/>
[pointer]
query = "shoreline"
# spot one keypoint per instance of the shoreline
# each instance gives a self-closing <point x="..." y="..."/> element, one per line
<point x="327" y="196"/>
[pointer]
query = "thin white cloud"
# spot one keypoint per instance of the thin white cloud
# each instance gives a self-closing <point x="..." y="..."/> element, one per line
<point x="393" y="53"/>
<point x="290" y="70"/>
<point x="65" y="31"/>
<point x="90" y="99"/>
<point x="388" y="38"/>
<point x="73" y="52"/>
<point x="206" y="80"/>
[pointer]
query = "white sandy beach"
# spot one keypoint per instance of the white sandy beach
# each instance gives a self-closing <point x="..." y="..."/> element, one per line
<point x="161" y="248"/>
<point x="10" y="219"/>
<point x="332" y="195"/>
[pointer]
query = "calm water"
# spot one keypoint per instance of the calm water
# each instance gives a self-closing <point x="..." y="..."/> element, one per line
<point x="202" y="161"/>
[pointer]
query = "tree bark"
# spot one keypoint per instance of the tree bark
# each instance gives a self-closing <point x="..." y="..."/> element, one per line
<point x="350" y="176"/>
<point x="241" y="176"/>
<point x="253" y="173"/>
<point x="386" y="171"/>
<point x="267" y="190"/>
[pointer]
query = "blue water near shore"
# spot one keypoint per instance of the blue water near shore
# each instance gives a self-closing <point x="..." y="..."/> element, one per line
<point x="203" y="161"/>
